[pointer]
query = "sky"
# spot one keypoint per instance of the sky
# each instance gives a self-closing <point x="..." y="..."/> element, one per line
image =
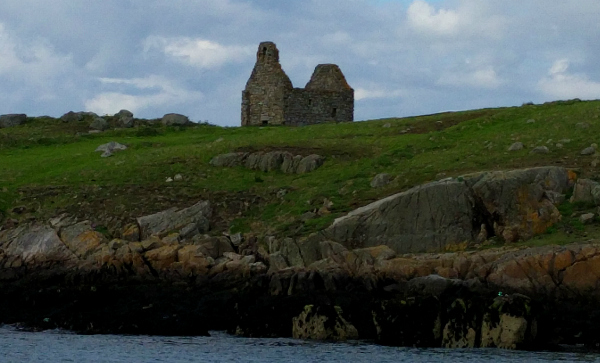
<point x="402" y="57"/>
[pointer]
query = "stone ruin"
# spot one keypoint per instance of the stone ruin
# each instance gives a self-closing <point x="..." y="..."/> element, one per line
<point x="271" y="99"/>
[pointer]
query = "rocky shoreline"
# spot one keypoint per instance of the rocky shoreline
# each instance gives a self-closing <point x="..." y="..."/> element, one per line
<point x="395" y="272"/>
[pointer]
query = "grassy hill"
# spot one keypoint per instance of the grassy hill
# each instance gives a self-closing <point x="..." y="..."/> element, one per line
<point x="48" y="167"/>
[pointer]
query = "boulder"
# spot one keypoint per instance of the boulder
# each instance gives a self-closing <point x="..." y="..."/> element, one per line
<point x="11" y="120"/>
<point x="172" y="219"/>
<point x="586" y="191"/>
<point x="82" y="239"/>
<point x="131" y="232"/>
<point x="270" y="161"/>
<point x="35" y="244"/>
<point x="109" y="148"/>
<point x="72" y="117"/>
<point x="427" y="218"/>
<point x="276" y="262"/>
<point x="448" y="214"/>
<point x="291" y="252"/>
<point x="323" y="323"/>
<point x="517" y="200"/>
<point x="124" y="118"/>
<point x="290" y="163"/>
<point x="175" y="119"/>
<point x="310" y="163"/>
<point x="214" y="247"/>
<point x="99" y="124"/>
<point x="163" y="257"/>
<point x="381" y="180"/>
<point x="229" y="160"/>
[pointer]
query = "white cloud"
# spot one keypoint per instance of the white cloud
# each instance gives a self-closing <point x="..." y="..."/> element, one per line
<point x="155" y="91"/>
<point x="470" y="19"/>
<point x="424" y="17"/>
<point x="363" y="93"/>
<point x="561" y="84"/>
<point x="480" y="78"/>
<point x="197" y="52"/>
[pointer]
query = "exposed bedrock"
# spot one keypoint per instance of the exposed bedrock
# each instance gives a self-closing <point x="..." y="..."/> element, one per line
<point x="452" y="214"/>
<point x="269" y="161"/>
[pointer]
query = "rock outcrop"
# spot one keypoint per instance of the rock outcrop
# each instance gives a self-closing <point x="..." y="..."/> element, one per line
<point x="175" y="119"/>
<point x="448" y="214"/>
<point x="11" y="120"/>
<point x="176" y="219"/>
<point x="269" y="161"/>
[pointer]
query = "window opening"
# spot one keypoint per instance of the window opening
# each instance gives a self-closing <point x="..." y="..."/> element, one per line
<point x="265" y="122"/>
<point x="334" y="112"/>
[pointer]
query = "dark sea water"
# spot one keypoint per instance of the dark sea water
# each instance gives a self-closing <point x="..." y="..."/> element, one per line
<point x="55" y="346"/>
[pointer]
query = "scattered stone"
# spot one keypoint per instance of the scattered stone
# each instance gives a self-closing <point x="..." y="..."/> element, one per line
<point x="178" y="177"/>
<point x="559" y="146"/>
<point x="381" y="180"/>
<point x="13" y="119"/>
<point x="131" y="233"/>
<point x="564" y="141"/>
<point x="387" y="125"/>
<point x="530" y="121"/>
<point x="516" y="146"/>
<point x="281" y="193"/>
<point x="236" y="239"/>
<point x="175" y="119"/>
<point x="99" y="124"/>
<point x="582" y="125"/>
<point x="587" y="191"/>
<point x="587" y="218"/>
<point x="169" y="180"/>
<point x="540" y="150"/>
<point x="109" y="148"/>
<point x="589" y="150"/>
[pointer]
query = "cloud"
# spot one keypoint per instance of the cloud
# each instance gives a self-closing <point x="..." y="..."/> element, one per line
<point x="480" y="78"/>
<point x="150" y="92"/>
<point x="559" y="83"/>
<point x="424" y="17"/>
<point x="197" y="52"/>
<point x="363" y="94"/>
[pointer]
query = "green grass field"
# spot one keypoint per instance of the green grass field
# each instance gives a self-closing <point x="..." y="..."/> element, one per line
<point x="48" y="167"/>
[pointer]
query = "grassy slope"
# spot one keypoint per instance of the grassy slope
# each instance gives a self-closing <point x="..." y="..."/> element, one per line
<point x="47" y="168"/>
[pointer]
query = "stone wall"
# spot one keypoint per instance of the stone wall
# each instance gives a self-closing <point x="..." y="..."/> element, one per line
<point x="266" y="90"/>
<point x="270" y="99"/>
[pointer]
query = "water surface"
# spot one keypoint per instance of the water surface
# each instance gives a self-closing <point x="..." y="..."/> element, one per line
<point x="57" y="346"/>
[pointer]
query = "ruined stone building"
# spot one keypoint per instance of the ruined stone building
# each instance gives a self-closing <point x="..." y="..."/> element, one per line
<point x="271" y="99"/>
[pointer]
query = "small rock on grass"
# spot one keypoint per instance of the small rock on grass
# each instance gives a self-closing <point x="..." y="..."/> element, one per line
<point x="381" y="180"/>
<point x="516" y="146"/>
<point x="589" y="150"/>
<point x="540" y="150"/>
<point x="587" y="218"/>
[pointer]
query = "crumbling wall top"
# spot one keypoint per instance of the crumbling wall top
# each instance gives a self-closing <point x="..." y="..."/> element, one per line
<point x="327" y="77"/>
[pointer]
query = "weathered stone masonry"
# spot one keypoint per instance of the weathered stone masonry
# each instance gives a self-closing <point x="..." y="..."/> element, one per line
<point x="271" y="99"/>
